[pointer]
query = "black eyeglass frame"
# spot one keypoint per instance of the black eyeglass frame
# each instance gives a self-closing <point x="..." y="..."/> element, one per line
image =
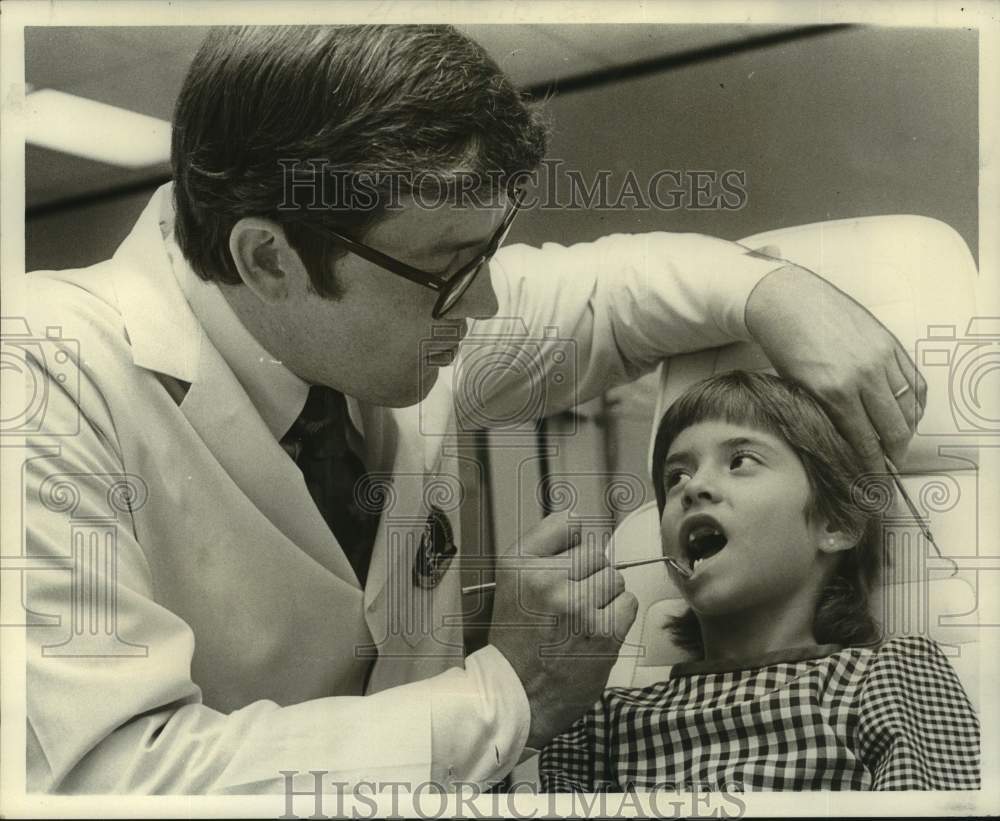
<point x="450" y="289"/>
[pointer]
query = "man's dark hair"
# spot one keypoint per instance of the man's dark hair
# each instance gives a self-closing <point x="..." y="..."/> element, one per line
<point x="374" y="108"/>
<point x="787" y="409"/>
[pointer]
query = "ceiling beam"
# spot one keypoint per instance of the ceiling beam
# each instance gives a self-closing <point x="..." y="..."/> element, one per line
<point x="654" y="65"/>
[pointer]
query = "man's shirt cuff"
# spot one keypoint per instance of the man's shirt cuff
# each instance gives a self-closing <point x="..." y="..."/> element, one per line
<point x="480" y="720"/>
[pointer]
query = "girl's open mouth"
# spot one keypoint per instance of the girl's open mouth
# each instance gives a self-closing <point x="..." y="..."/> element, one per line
<point x="702" y="539"/>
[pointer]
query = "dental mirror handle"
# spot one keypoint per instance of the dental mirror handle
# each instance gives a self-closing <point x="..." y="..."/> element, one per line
<point x="668" y="559"/>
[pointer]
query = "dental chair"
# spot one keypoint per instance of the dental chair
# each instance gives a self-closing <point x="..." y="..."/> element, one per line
<point x="917" y="277"/>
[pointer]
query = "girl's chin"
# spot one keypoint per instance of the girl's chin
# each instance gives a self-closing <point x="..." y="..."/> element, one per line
<point x="710" y="597"/>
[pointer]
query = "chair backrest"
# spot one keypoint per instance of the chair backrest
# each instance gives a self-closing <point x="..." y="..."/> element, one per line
<point x="917" y="276"/>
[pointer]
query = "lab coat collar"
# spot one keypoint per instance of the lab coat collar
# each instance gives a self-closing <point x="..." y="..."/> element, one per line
<point x="164" y="334"/>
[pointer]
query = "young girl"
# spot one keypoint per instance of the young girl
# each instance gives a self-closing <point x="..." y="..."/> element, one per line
<point x="792" y="688"/>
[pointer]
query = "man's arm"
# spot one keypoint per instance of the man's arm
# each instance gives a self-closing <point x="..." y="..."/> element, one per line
<point x="629" y="301"/>
<point x="615" y="308"/>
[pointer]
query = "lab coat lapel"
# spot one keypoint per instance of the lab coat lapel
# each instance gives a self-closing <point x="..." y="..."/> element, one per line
<point x="398" y="466"/>
<point x="221" y="412"/>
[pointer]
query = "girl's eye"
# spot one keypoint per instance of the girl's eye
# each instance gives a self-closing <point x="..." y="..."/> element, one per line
<point x="673" y="477"/>
<point x="743" y="458"/>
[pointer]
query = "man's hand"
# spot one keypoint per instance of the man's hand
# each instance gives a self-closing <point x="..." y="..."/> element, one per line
<point x="560" y="614"/>
<point x="815" y="333"/>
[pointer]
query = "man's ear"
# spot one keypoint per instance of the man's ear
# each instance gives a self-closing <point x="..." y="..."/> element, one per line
<point x="833" y="540"/>
<point x="267" y="264"/>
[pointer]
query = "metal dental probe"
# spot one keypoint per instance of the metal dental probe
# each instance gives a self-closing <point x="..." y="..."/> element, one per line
<point x="924" y="529"/>
<point x="481" y="588"/>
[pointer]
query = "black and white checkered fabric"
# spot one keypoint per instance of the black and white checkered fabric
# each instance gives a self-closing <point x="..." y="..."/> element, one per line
<point x="888" y="718"/>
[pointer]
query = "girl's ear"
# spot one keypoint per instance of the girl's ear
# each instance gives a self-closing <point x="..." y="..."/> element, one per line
<point x="833" y="540"/>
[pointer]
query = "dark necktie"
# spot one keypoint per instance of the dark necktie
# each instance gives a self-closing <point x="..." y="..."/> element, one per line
<point x="318" y="443"/>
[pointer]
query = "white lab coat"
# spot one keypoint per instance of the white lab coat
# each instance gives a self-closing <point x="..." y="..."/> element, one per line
<point x="212" y="632"/>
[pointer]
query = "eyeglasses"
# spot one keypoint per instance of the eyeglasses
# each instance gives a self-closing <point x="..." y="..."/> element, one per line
<point x="450" y="289"/>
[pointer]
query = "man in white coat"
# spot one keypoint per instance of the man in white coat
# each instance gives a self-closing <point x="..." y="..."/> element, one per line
<point x="204" y="627"/>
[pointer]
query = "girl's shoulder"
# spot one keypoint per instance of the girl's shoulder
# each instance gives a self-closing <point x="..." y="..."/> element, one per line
<point x="897" y="659"/>
<point x="910" y="645"/>
<point x="908" y="662"/>
<point x="902" y="650"/>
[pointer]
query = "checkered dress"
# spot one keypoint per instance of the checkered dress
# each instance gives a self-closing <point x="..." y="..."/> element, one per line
<point x="888" y="718"/>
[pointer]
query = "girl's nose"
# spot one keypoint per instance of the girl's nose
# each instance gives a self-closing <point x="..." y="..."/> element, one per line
<point x="699" y="488"/>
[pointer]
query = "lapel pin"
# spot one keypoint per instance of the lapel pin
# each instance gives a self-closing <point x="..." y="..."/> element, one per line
<point x="437" y="549"/>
